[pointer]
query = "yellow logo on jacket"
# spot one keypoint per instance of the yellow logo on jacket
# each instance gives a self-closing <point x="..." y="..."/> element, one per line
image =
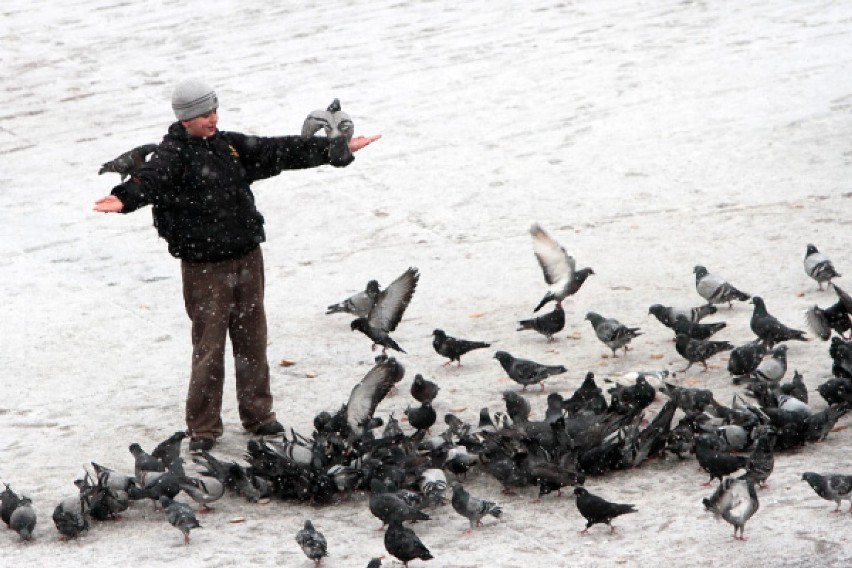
<point x="234" y="152"/>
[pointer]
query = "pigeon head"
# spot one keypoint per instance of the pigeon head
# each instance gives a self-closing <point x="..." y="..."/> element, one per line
<point x="811" y="250"/>
<point x="373" y="288"/>
<point x="360" y="324"/>
<point x="375" y="563"/>
<point x="439" y="334"/>
<point x="502" y="356"/>
<point x="580" y="491"/>
<point x="594" y="318"/>
<point x="700" y="272"/>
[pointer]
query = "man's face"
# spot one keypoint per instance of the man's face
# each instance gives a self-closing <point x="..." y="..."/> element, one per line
<point x="202" y="126"/>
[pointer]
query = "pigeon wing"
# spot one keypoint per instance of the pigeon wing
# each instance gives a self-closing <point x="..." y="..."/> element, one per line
<point x="556" y="264"/>
<point x="393" y="300"/>
<point x="374" y="387"/>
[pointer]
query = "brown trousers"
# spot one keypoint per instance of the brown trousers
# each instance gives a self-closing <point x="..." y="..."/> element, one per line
<point x="226" y="298"/>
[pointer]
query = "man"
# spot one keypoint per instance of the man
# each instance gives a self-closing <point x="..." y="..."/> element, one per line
<point x="198" y="182"/>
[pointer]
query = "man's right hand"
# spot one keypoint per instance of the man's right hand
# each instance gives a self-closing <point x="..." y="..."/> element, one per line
<point x="109" y="204"/>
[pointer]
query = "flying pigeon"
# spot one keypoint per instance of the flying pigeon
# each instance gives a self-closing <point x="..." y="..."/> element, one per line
<point x="526" y="372"/>
<point x="831" y="486"/>
<point x="836" y="317"/>
<point x="611" y="332"/>
<point x="768" y="328"/>
<point x="128" y="163"/>
<point x="598" y="510"/>
<point x="548" y="324"/>
<point x="556" y="264"/>
<point x="180" y="516"/>
<point x="473" y="508"/>
<point x="698" y="350"/>
<point x="734" y="500"/>
<point x="667" y="315"/>
<point x="423" y="390"/>
<point x="358" y="304"/>
<point x="387" y="312"/>
<point x="403" y="544"/>
<point x="715" y="289"/>
<point x="312" y="542"/>
<point x="372" y="389"/>
<point x="452" y="347"/>
<point x="23" y="519"/>
<point x="818" y="266"/>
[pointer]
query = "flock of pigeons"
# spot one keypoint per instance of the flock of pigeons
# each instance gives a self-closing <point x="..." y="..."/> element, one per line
<point x="408" y="475"/>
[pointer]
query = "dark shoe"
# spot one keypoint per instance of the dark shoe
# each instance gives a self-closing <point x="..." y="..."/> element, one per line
<point x="270" y="428"/>
<point x="201" y="444"/>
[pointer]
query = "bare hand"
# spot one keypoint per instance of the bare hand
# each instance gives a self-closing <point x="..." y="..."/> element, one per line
<point x="109" y="204"/>
<point x="359" y="142"/>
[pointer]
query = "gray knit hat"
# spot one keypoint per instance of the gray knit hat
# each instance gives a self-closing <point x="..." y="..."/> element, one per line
<point x="192" y="98"/>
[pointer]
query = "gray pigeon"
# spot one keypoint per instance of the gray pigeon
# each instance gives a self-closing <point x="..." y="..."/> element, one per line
<point x="312" y="542"/>
<point x="358" y="304"/>
<point x="202" y="490"/>
<point x="180" y="516"/>
<point x="715" y="289"/>
<point x="772" y="368"/>
<point x="836" y="317"/>
<point x="23" y="519"/>
<point x="734" y="500"/>
<point x="526" y="372"/>
<point x="387" y="312"/>
<point x="667" y="315"/>
<point x="387" y="506"/>
<point x="548" y="324"/>
<point x="70" y="516"/>
<point x="473" y="508"/>
<point x="611" y="332"/>
<point x="128" y="163"/>
<point x="818" y="266"/>
<point x="556" y="264"/>
<point x="144" y="462"/>
<point x="831" y="486"/>
<point x="761" y="462"/>
<point x="338" y="127"/>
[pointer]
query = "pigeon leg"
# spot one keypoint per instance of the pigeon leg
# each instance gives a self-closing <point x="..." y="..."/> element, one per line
<point x="704" y="363"/>
<point x="186" y="538"/>
<point x="204" y="509"/>
<point x="585" y="531"/>
<point x="447" y="363"/>
<point x="542" y="385"/>
<point x="685" y="368"/>
<point x="611" y="528"/>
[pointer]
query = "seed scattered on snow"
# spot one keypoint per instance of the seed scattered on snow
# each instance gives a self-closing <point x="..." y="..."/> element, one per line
<point x="286" y="362"/>
<point x="311" y="374"/>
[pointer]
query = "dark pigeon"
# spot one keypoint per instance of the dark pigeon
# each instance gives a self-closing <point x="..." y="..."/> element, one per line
<point x="69" y="516"/>
<point x="144" y="462"/>
<point x="768" y="328"/>
<point x="598" y="510"/>
<point x="312" y="542"/>
<point x="421" y="417"/>
<point x="168" y="452"/>
<point x="611" y="332"/>
<point x="517" y="407"/>
<point x="746" y="358"/>
<point x="715" y="289"/>
<point x="818" y="266"/>
<point x="761" y="462"/>
<point x="556" y="264"/>
<point x="735" y="500"/>
<point x="697" y="330"/>
<point x="387" y="312"/>
<point x="836" y="391"/>
<point x="632" y="398"/>
<point x="359" y="304"/>
<point x="831" y="486"/>
<point x="403" y="544"/>
<point x="128" y="163"/>
<point x="526" y="372"/>
<point x="796" y="387"/>
<point x="370" y="391"/>
<point x="23" y="519"/>
<point x="423" y="391"/>
<point x="588" y="397"/>
<point x="715" y="462"/>
<point x="9" y="501"/>
<point x="473" y="508"/>
<point x="820" y="424"/>
<point x="452" y="347"/>
<point x="548" y="324"/>
<point x="698" y="350"/>
<point x="387" y="506"/>
<point x="667" y="315"/>
<point x="840" y="352"/>
<point x="180" y="516"/>
<point x="822" y="321"/>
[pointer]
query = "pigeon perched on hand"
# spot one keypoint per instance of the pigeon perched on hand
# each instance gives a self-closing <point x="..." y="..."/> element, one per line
<point x="452" y="347"/>
<point x="312" y="542"/>
<point x="768" y="328"/>
<point x="338" y="127"/>
<point x="526" y="372"/>
<point x="611" y="332"/>
<point x="598" y="510"/>
<point x="473" y="508"/>
<point x="818" y="266"/>
<point x="668" y="315"/>
<point x="548" y="324"/>
<point x="556" y="264"/>
<point x="180" y="516"/>
<point x="128" y="163"/>
<point x="23" y="519"/>
<point x="734" y="500"/>
<point x="831" y="486"/>
<point x="387" y="312"/>
<point x="358" y="304"/>
<point x="404" y="545"/>
<point x="715" y="289"/>
<point x="698" y="350"/>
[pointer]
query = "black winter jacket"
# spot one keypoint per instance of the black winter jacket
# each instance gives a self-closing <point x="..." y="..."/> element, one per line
<point x="199" y="187"/>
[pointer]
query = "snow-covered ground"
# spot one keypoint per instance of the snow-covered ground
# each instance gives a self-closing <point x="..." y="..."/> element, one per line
<point x="647" y="137"/>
